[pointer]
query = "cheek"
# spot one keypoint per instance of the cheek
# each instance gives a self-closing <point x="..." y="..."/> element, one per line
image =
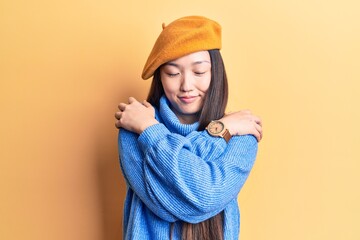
<point x="203" y="86"/>
<point x="169" y="87"/>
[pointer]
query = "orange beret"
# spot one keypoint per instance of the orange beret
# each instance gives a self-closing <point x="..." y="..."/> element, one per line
<point x="182" y="37"/>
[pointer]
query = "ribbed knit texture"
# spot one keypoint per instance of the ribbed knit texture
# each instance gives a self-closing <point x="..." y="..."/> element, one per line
<point x="175" y="173"/>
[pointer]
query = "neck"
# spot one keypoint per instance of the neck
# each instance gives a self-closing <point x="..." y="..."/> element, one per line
<point x="186" y="118"/>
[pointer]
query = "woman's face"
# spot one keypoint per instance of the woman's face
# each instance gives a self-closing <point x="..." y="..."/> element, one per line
<point x="186" y="81"/>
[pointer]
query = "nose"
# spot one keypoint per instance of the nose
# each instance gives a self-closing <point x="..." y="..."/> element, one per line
<point x="187" y="84"/>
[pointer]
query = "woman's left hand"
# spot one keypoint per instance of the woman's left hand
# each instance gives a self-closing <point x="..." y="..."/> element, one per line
<point x="243" y="122"/>
<point x="135" y="116"/>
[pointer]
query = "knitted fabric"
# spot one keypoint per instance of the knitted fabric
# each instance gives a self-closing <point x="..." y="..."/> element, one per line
<point x="175" y="173"/>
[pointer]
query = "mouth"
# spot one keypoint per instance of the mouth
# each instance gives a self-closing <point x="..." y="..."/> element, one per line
<point x="188" y="99"/>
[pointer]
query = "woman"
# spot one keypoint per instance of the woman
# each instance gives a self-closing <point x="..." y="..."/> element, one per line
<point x="184" y="161"/>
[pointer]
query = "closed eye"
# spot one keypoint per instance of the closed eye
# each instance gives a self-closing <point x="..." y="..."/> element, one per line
<point x="199" y="73"/>
<point x="172" y="74"/>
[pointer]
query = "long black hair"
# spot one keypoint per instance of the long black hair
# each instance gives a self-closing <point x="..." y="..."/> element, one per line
<point x="214" y="108"/>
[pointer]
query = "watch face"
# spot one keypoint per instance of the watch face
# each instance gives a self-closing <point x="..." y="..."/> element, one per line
<point x="216" y="127"/>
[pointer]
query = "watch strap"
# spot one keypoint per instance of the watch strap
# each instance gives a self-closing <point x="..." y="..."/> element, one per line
<point x="226" y="135"/>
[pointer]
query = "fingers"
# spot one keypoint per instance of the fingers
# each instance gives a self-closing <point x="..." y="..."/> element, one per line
<point x="259" y="131"/>
<point x="146" y="103"/>
<point x="254" y="123"/>
<point x="128" y="109"/>
<point x="253" y="117"/>
<point x="257" y="120"/>
<point x="258" y="126"/>
<point x="122" y="106"/>
<point x="118" y="115"/>
<point x="117" y="124"/>
<point x="257" y="135"/>
<point x="132" y="99"/>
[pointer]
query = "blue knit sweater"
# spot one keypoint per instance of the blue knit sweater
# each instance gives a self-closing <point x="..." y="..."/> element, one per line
<point x="175" y="173"/>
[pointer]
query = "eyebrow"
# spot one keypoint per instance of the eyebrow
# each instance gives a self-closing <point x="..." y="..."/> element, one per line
<point x="194" y="63"/>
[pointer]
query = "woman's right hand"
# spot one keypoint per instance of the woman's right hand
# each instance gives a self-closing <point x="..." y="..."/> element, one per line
<point x="135" y="116"/>
<point x="243" y="122"/>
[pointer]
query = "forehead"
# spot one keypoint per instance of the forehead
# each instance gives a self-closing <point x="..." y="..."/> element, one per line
<point x="202" y="57"/>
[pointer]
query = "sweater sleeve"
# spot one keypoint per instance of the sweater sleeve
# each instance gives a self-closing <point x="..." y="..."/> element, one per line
<point x="190" y="178"/>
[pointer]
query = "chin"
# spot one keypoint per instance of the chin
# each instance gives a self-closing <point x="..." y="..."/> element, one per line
<point x="190" y="111"/>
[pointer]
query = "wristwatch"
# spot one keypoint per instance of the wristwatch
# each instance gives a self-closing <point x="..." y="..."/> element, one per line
<point x="217" y="128"/>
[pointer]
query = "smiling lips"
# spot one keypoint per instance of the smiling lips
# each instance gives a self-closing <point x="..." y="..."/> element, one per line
<point x="188" y="99"/>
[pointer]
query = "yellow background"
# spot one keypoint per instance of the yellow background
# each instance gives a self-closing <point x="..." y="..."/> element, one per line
<point x="65" y="65"/>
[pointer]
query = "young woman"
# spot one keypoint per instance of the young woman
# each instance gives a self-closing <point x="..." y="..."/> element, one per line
<point x="183" y="159"/>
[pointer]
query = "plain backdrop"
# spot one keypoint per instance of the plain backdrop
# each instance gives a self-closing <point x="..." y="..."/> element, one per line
<point x="65" y="65"/>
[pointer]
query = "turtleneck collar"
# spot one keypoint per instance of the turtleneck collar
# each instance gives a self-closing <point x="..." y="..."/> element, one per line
<point x="172" y="122"/>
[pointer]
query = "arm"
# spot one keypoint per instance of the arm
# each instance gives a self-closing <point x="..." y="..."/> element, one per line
<point x="189" y="178"/>
<point x="201" y="184"/>
<point x="136" y="117"/>
<point x="132" y="166"/>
